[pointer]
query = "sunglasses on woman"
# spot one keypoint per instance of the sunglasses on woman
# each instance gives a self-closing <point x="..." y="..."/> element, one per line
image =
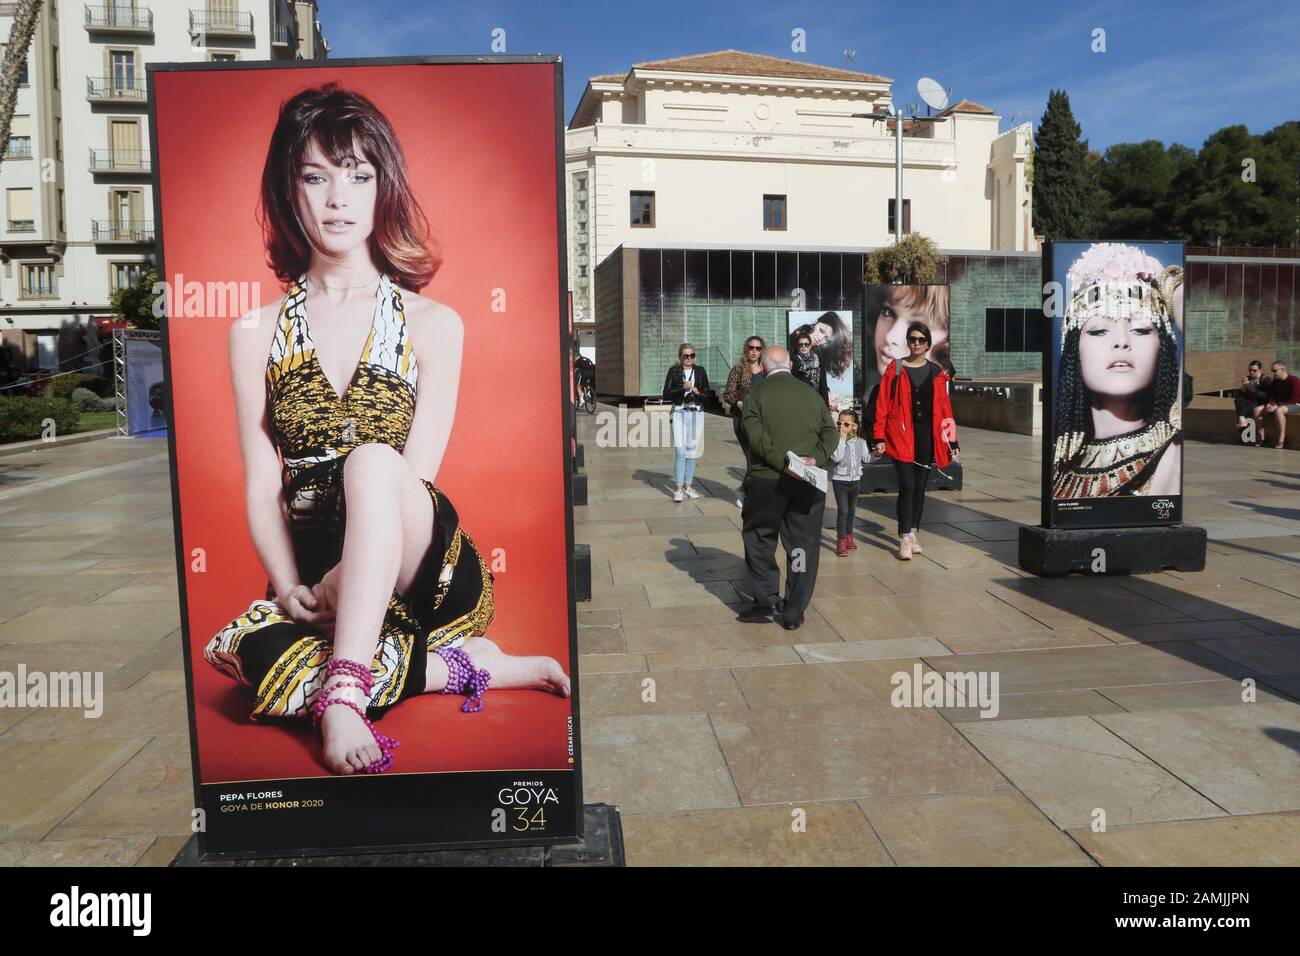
<point x="917" y="338"/>
<point x="687" y="355"/>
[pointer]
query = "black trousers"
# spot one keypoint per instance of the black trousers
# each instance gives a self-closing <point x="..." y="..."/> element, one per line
<point x="794" y="510"/>
<point x="740" y="432"/>
<point x="1246" y="405"/>
<point x="846" y="506"/>
<point x="912" y="479"/>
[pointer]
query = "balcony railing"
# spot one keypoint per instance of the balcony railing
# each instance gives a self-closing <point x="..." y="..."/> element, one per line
<point x="20" y="147"/>
<point x="124" y="230"/>
<point x="22" y="225"/>
<point x="284" y="35"/>
<point x="8" y="9"/>
<point x="119" y="161"/>
<point x="235" y="23"/>
<point x="117" y="88"/>
<point x="110" y="18"/>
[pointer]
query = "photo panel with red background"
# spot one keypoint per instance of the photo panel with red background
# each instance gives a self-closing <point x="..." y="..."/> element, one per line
<point x="480" y="147"/>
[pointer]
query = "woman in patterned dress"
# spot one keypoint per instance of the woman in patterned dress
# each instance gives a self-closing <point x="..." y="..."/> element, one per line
<point x="375" y="591"/>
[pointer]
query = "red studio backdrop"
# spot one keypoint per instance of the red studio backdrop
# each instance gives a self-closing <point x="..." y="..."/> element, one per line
<point x="479" y="141"/>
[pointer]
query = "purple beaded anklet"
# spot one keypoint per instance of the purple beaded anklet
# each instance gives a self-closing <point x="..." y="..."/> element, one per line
<point x="462" y="678"/>
<point x="362" y="680"/>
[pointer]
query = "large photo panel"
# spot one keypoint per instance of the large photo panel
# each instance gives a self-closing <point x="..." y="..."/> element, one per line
<point x="1113" y="377"/>
<point x="374" y="539"/>
<point x="829" y="360"/>
<point x="887" y="311"/>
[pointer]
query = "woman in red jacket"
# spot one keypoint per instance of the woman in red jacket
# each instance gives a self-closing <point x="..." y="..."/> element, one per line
<point x="914" y="425"/>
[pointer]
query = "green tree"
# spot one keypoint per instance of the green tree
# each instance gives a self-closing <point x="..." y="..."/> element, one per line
<point x="1062" y="195"/>
<point x="135" y="303"/>
<point x="20" y="42"/>
<point x="1136" y="181"/>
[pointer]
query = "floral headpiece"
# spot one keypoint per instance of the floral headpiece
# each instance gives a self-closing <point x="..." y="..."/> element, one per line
<point x="1116" y="281"/>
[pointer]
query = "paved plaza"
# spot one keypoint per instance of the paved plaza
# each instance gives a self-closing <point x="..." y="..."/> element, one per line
<point x="729" y="743"/>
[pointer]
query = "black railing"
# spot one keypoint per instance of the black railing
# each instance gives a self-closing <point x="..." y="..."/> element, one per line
<point x="122" y="230"/>
<point x="120" y="160"/>
<point x="20" y="147"/>
<point x="111" y="18"/>
<point x="284" y="35"/>
<point x="116" y="88"/>
<point x="233" y="23"/>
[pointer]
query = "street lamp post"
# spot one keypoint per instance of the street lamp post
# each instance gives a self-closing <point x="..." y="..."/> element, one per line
<point x="896" y="114"/>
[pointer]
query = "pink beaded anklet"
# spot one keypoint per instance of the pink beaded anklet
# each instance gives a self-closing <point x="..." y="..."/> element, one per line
<point x="462" y="678"/>
<point x="362" y="680"/>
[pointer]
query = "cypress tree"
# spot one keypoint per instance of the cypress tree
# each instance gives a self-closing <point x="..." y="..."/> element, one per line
<point x="1063" y="194"/>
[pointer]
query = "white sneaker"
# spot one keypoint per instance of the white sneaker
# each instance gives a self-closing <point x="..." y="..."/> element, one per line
<point x="678" y="496"/>
<point x="692" y="493"/>
<point x="740" y="502"/>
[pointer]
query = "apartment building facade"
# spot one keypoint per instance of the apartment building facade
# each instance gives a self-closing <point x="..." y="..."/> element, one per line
<point x="76" y="175"/>
<point x="736" y="150"/>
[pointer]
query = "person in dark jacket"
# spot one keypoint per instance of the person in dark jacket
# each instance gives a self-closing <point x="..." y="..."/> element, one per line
<point x="781" y="416"/>
<point x="1252" y="393"/>
<point x="915" y="426"/>
<point x="686" y="386"/>
<point x="806" y="366"/>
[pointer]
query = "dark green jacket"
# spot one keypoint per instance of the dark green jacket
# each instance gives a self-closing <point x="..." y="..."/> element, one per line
<point x="783" y="414"/>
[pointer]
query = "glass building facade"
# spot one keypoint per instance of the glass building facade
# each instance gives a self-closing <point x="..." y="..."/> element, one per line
<point x="649" y="301"/>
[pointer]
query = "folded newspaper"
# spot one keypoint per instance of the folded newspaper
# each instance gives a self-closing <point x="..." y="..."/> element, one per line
<point x="804" y="472"/>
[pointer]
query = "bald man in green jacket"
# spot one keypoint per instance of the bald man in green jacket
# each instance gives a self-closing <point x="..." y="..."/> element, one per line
<point x="783" y="414"/>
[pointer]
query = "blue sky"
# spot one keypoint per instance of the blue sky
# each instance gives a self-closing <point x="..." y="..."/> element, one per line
<point x="1170" y="71"/>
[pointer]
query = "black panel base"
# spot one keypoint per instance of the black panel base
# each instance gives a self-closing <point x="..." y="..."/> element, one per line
<point x="1060" y="551"/>
<point x="582" y="571"/>
<point x="602" y="846"/>
<point x="579" y="489"/>
<point x="578" y="457"/>
<point x="881" y="476"/>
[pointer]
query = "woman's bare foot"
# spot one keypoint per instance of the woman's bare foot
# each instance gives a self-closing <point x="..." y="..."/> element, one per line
<point x="508" y="670"/>
<point x="349" y="745"/>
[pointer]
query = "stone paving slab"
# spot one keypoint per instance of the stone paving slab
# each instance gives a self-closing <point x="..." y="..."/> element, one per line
<point x="969" y="829"/>
<point x="1071" y="767"/>
<point x="834" y="834"/>
<point x="1243" y="758"/>
<point x="1270" y="839"/>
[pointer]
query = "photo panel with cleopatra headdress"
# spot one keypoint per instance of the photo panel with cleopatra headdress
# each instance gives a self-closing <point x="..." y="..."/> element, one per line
<point x="1113" y="384"/>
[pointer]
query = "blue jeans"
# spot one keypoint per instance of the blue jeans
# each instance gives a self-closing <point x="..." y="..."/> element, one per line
<point x="686" y="433"/>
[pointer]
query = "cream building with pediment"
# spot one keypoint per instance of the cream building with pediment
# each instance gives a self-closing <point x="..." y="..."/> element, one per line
<point x="739" y="150"/>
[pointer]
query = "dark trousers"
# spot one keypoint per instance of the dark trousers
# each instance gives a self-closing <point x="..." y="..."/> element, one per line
<point x="912" y="479"/>
<point x="793" y="509"/>
<point x="1246" y="405"/>
<point x="740" y="432"/>
<point x="846" y="506"/>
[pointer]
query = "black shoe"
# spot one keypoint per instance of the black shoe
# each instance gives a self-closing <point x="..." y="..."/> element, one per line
<point x="758" y="613"/>
<point x="791" y="625"/>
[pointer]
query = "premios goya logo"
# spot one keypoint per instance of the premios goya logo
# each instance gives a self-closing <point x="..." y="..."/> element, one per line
<point x="522" y="807"/>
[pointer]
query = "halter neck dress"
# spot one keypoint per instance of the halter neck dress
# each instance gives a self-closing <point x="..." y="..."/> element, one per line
<point x="314" y="429"/>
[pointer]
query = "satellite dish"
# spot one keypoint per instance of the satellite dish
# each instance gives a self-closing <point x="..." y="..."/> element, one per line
<point x="935" y="95"/>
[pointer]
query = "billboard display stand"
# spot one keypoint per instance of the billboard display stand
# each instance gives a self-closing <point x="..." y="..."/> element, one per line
<point x="602" y="845"/>
<point x="1113" y="396"/>
<point x="1055" y="552"/>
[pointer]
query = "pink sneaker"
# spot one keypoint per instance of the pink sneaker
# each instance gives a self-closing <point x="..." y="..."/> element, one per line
<point x="916" y="545"/>
<point x="905" y="547"/>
